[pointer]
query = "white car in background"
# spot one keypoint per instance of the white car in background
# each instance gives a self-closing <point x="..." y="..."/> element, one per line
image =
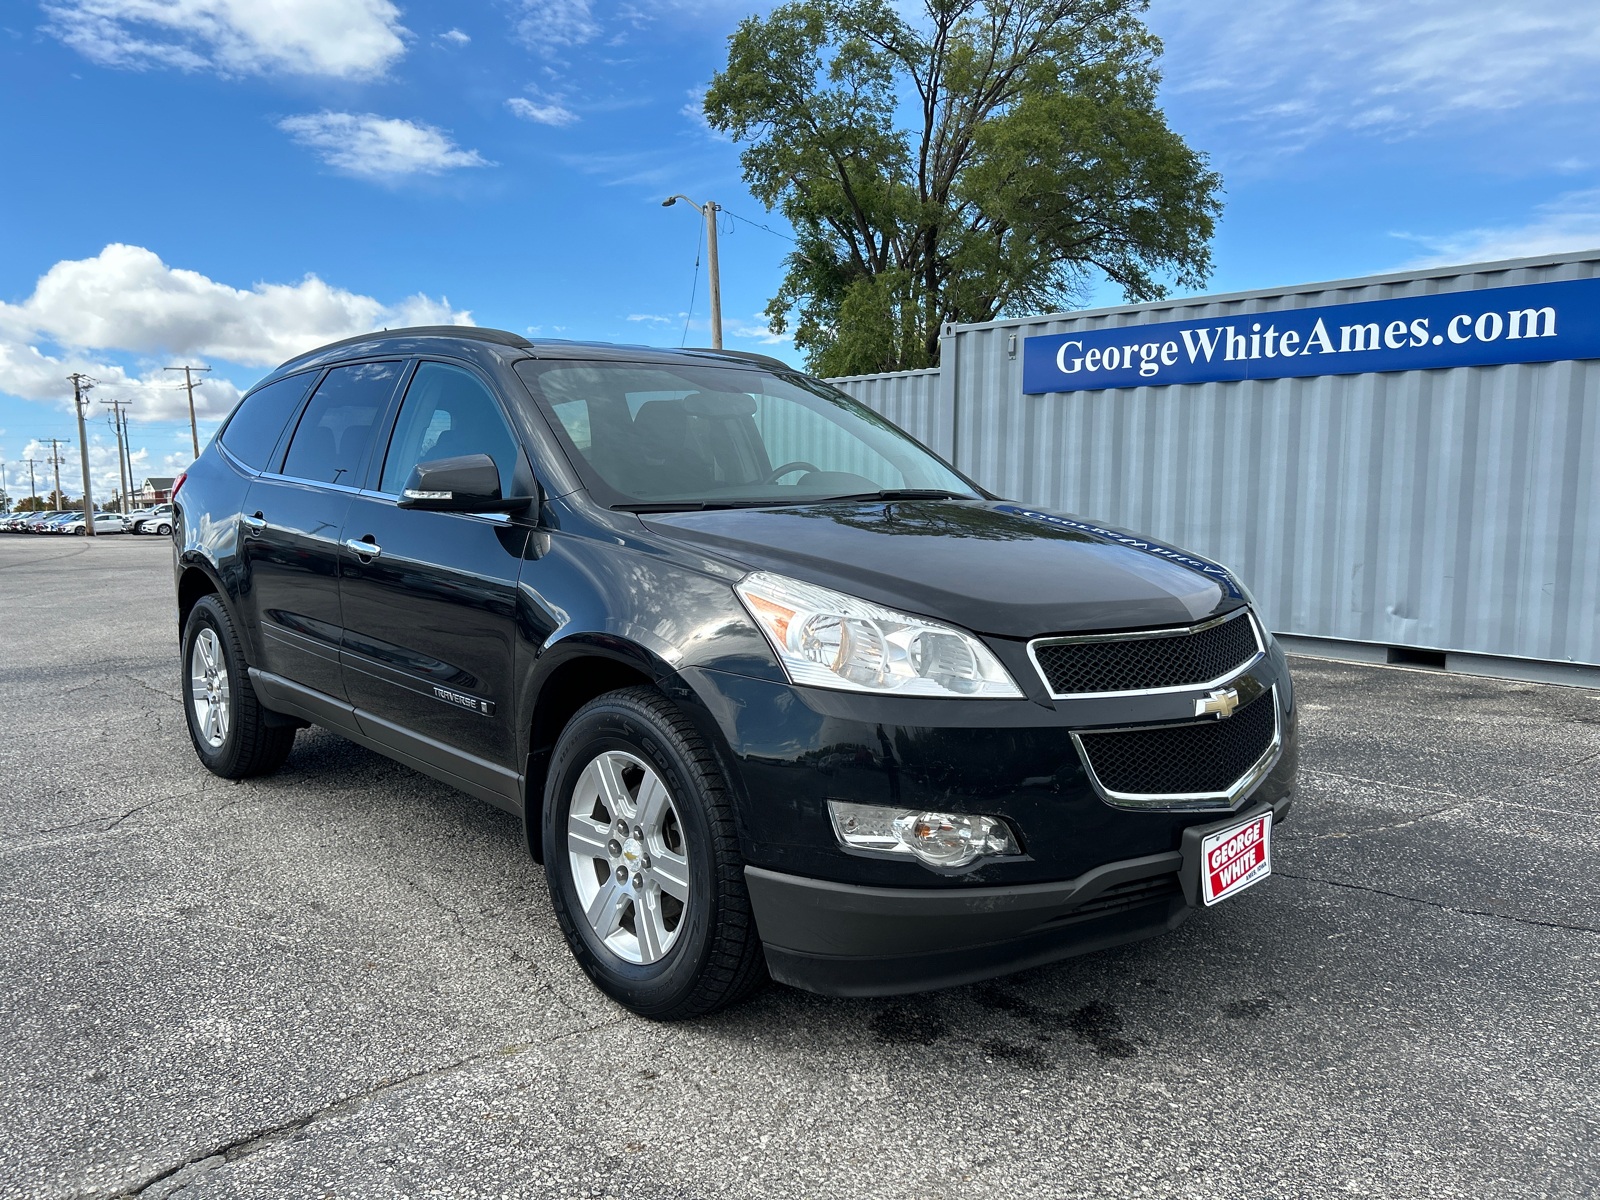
<point x="154" y="520"/>
<point x="104" y="523"/>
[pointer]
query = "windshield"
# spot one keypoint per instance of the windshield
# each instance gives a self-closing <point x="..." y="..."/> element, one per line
<point x="656" y="437"/>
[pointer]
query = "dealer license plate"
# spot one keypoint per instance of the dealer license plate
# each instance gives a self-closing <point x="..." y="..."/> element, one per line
<point x="1234" y="859"/>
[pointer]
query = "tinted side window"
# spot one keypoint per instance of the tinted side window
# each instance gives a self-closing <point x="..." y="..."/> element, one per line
<point x="447" y="413"/>
<point x="253" y="429"/>
<point x="333" y="433"/>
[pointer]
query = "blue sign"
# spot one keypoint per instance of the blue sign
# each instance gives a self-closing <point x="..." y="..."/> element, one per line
<point x="1537" y="322"/>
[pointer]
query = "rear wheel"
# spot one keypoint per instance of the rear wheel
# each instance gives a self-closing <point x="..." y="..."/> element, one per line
<point x="227" y="724"/>
<point x="643" y="860"/>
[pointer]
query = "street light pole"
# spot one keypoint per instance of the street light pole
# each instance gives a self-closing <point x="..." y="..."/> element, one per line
<point x="709" y="211"/>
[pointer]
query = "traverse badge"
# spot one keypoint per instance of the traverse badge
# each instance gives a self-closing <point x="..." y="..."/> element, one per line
<point x="486" y="707"/>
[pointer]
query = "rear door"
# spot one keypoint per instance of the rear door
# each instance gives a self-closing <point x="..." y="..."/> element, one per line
<point x="429" y="604"/>
<point x="293" y="515"/>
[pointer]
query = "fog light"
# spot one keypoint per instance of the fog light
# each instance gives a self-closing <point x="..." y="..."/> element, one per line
<point x="938" y="839"/>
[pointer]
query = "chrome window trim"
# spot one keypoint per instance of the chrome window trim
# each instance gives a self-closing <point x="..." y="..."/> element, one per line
<point x="1226" y="801"/>
<point x="1148" y="634"/>
<point x="274" y="477"/>
<point x="491" y="518"/>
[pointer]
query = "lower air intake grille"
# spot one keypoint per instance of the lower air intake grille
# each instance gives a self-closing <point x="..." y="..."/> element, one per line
<point x="1171" y="760"/>
<point x="1073" y="667"/>
<point x="1123" y="896"/>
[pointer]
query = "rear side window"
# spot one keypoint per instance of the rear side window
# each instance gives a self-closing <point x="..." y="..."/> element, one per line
<point x="253" y="429"/>
<point x="332" y="437"/>
<point x="447" y="413"/>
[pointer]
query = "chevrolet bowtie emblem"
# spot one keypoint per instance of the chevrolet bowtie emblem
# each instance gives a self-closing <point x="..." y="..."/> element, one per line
<point x="1222" y="702"/>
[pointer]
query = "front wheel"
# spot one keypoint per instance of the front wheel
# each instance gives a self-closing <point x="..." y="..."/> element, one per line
<point x="163" y="529"/>
<point x="226" y="722"/>
<point x="643" y="860"/>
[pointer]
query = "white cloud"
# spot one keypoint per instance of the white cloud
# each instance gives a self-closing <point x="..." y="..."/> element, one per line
<point x="545" y="25"/>
<point x="1570" y="222"/>
<point x="126" y="300"/>
<point x="755" y="329"/>
<point x="379" y="147"/>
<point x="1287" y="73"/>
<point x="455" y="37"/>
<point x="550" y="113"/>
<point x="342" y="39"/>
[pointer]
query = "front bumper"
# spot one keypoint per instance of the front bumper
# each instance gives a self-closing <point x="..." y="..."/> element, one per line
<point x="844" y="939"/>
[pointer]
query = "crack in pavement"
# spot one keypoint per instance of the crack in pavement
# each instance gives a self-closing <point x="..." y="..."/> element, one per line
<point x="176" y="698"/>
<point x="261" y="1139"/>
<point x="8" y="851"/>
<point x="1466" y="912"/>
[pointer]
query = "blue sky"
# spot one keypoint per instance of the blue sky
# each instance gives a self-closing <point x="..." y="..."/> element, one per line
<point x="228" y="182"/>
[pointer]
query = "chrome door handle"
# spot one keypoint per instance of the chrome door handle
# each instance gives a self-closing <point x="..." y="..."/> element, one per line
<point x="253" y="525"/>
<point x="365" y="549"/>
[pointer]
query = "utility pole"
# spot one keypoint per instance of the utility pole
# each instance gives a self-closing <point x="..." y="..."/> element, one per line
<point x="3" y="491"/>
<point x="188" y="382"/>
<point x="56" y="460"/>
<point x="127" y="440"/>
<point x="33" y="490"/>
<point x="81" y="384"/>
<point x="709" y="211"/>
<point x="116" y="407"/>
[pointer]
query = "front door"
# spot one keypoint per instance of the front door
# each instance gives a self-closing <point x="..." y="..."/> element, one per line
<point x="429" y="636"/>
<point x="293" y="515"/>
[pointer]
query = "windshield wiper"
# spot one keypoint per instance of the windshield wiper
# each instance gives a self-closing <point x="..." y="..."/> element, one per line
<point x="904" y="494"/>
<point x="670" y="506"/>
<point x="667" y="506"/>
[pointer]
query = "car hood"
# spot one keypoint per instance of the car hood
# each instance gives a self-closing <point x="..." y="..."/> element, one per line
<point x="992" y="567"/>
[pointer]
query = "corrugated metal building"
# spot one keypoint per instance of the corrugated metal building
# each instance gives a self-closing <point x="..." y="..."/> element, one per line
<point x="1448" y="516"/>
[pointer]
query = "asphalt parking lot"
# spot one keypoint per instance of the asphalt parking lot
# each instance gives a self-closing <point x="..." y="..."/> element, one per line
<point x="345" y="980"/>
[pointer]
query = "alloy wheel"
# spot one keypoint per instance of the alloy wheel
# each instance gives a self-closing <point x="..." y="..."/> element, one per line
<point x="628" y="856"/>
<point x="208" y="688"/>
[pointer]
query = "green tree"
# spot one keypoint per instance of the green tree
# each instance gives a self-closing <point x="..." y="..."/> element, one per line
<point x="982" y="160"/>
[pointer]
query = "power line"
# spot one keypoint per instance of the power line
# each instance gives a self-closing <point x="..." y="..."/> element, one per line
<point x="693" y="287"/>
<point x="759" y="225"/>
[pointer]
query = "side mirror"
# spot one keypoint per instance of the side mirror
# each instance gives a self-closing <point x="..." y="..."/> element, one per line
<point x="469" y="483"/>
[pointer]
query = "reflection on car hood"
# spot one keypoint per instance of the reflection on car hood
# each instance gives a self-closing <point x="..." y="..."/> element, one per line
<point x="989" y="566"/>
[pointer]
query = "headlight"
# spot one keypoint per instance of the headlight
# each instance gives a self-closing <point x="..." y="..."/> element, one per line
<point x="938" y="839"/>
<point x="828" y="639"/>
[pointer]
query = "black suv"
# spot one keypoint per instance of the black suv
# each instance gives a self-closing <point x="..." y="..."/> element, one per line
<point x="772" y="687"/>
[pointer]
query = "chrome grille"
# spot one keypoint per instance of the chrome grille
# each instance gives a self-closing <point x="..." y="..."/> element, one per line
<point x="1205" y="760"/>
<point x="1157" y="660"/>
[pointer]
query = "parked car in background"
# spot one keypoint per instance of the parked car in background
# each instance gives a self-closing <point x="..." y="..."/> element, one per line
<point x="158" y="520"/>
<point x="104" y="523"/>
<point x="55" y="523"/>
<point x="31" y="522"/>
<point x="133" y="518"/>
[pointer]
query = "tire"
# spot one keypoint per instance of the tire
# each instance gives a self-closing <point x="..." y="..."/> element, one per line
<point x="78" y="532"/>
<point x="164" y="529"/>
<point x="666" y="957"/>
<point x="236" y="741"/>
